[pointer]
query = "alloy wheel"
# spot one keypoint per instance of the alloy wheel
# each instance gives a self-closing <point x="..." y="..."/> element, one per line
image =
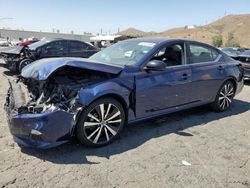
<point x="102" y="123"/>
<point x="226" y="95"/>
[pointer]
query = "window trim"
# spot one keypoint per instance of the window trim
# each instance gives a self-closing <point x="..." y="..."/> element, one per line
<point x="185" y="54"/>
<point x="189" y="56"/>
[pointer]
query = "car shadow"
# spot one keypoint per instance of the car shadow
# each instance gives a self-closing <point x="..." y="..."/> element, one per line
<point x="8" y="72"/>
<point x="137" y="134"/>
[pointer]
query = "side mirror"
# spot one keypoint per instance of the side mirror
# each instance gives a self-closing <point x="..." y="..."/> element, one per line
<point x="155" y="65"/>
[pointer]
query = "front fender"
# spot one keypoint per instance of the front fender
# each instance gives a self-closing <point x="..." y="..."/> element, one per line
<point x="93" y="92"/>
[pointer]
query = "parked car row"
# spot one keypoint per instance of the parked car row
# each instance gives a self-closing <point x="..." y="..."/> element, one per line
<point x="18" y="57"/>
<point x="234" y="52"/>
<point x="55" y="99"/>
<point x="245" y="60"/>
<point x="241" y="54"/>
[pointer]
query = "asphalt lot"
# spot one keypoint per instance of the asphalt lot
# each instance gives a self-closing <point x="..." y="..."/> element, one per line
<point x="194" y="148"/>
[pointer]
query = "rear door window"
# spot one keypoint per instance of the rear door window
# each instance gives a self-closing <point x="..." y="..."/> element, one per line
<point x="201" y="54"/>
<point x="78" y="47"/>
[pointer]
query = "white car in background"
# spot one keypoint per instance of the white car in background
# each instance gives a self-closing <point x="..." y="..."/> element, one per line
<point x="4" y="42"/>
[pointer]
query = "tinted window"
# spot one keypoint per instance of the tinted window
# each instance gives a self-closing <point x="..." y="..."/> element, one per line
<point x="35" y="45"/>
<point x="76" y="47"/>
<point x="172" y="55"/>
<point x="200" y="54"/>
<point x="55" y="48"/>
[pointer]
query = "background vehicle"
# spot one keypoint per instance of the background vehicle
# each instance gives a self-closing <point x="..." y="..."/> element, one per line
<point x="103" y="41"/>
<point x="4" y="42"/>
<point x="28" y="41"/>
<point x="245" y="59"/>
<point x="232" y="52"/>
<point x="18" y="57"/>
<point x="127" y="82"/>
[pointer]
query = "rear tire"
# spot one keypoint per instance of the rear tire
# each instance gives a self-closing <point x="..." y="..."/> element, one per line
<point x="224" y="97"/>
<point x="100" y="123"/>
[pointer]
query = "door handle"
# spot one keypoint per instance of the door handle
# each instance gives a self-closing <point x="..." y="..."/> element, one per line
<point x="185" y="76"/>
<point x="220" y="67"/>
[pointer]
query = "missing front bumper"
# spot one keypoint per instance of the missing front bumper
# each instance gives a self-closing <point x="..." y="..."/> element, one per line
<point x="40" y="130"/>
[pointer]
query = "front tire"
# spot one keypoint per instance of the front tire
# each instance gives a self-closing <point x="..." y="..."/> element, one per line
<point x="101" y="122"/>
<point x="224" y="97"/>
<point x="23" y="63"/>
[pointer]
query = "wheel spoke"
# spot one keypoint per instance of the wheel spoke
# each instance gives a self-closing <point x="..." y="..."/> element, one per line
<point x="106" y="133"/>
<point x="98" y="135"/>
<point x="102" y="110"/>
<point x="230" y="91"/>
<point x="226" y="103"/>
<point x="222" y="104"/>
<point x="221" y="98"/>
<point x="111" y="130"/>
<point x="225" y="88"/>
<point x="93" y="133"/>
<point x="91" y="124"/>
<point x="229" y="100"/>
<point x="115" y="121"/>
<point x="93" y="117"/>
<point x="109" y="106"/>
<point x="114" y="116"/>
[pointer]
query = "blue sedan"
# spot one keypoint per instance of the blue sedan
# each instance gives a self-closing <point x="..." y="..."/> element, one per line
<point x="92" y="99"/>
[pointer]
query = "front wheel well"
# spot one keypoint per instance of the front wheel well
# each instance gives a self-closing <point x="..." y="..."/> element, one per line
<point x="114" y="96"/>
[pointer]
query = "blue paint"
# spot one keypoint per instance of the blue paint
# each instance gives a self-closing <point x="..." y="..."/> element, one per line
<point x="145" y="94"/>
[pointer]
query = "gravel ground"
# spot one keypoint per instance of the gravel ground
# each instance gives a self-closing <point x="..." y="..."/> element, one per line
<point x="194" y="148"/>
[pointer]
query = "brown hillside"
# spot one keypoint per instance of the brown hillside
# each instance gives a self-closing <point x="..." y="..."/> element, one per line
<point x="132" y="32"/>
<point x="237" y="24"/>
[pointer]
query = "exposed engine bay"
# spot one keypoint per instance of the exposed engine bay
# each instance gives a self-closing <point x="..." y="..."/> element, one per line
<point x="59" y="91"/>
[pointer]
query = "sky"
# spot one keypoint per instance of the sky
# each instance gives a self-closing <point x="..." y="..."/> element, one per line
<point x="109" y="15"/>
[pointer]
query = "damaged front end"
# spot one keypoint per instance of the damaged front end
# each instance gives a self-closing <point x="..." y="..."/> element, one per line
<point x="42" y="113"/>
<point x="14" y="55"/>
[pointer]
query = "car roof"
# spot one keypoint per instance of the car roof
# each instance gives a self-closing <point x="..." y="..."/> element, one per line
<point x="161" y="40"/>
<point x="56" y="39"/>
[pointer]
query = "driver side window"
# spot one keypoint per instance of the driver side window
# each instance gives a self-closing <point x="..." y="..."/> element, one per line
<point x="172" y="55"/>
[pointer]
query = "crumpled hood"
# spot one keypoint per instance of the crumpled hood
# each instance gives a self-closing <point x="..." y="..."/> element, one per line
<point x="12" y="50"/>
<point x="42" y="69"/>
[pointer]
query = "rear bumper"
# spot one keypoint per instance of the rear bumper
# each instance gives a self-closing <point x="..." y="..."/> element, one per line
<point x="41" y="130"/>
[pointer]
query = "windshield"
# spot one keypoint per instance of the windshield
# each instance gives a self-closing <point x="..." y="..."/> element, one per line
<point x="123" y="53"/>
<point x="33" y="46"/>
